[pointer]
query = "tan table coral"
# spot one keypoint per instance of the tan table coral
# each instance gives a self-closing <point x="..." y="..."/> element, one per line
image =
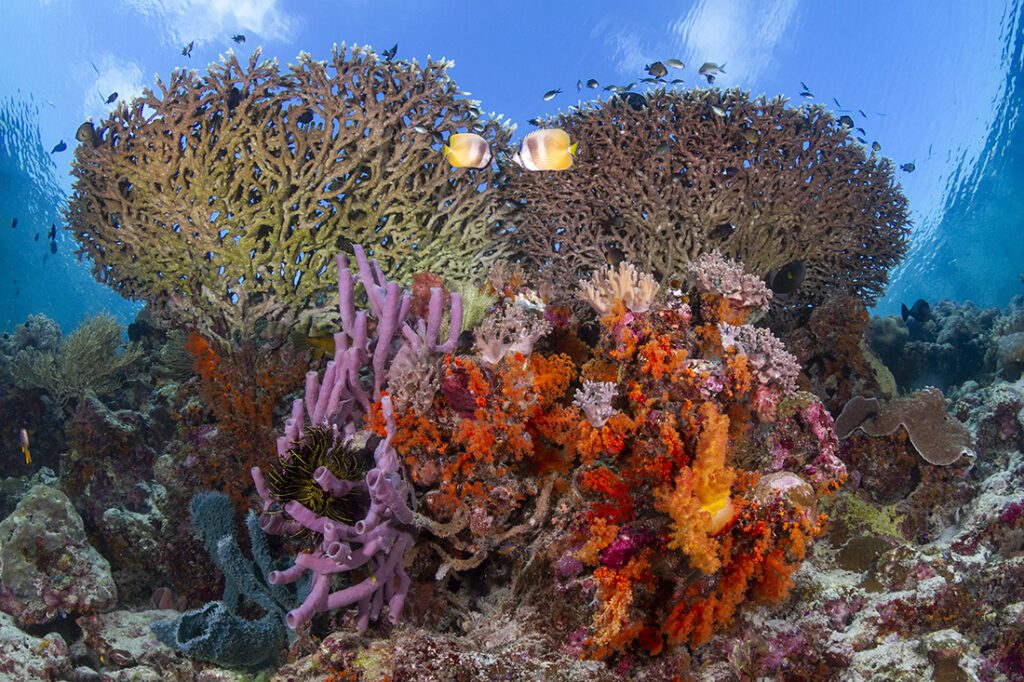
<point x="221" y="198"/>
<point x="664" y="177"/>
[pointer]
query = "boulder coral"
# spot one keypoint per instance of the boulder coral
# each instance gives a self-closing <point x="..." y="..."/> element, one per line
<point x="221" y="198"/>
<point x="666" y="176"/>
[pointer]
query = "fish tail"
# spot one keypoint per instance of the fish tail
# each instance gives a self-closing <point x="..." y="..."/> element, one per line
<point x="573" y="147"/>
<point x="28" y="455"/>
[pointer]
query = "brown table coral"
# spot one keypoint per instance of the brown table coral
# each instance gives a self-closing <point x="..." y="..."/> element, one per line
<point x="662" y="178"/>
<point x="221" y="198"/>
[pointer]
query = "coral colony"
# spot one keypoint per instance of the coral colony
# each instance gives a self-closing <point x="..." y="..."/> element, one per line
<point x="572" y="424"/>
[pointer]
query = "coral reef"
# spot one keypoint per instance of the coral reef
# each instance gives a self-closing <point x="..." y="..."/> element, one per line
<point x="751" y="177"/>
<point x="955" y="344"/>
<point x="91" y="358"/>
<point x="183" y="200"/>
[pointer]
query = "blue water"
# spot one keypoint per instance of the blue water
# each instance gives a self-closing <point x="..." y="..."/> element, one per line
<point x="939" y="85"/>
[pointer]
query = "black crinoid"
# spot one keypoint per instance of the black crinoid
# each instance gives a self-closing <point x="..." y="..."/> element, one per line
<point x="292" y="478"/>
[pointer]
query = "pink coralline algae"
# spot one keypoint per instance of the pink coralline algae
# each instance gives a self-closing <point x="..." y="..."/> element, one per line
<point x="766" y="355"/>
<point x="714" y="274"/>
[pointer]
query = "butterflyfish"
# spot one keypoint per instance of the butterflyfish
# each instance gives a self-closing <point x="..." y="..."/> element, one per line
<point x="468" y="150"/>
<point x="546" y="149"/>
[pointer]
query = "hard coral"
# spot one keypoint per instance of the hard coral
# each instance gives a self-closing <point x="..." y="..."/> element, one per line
<point x="803" y="191"/>
<point x="221" y="198"/>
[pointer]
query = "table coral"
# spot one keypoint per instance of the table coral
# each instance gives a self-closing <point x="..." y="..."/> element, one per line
<point x="214" y="199"/>
<point x="803" y="191"/>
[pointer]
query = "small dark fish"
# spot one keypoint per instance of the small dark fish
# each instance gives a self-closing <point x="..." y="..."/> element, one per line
<point x="234" y="98"/>
<point x="53" y="246"/>
<point x="613" y="88"/>
<point x="390" y="54"/>
<point x="633" y="100"/>
<point x="551" y="94"/>
<point x="629" y="87"/>
<point x="788" y="278"/>
<point x="807" y="94"/>
<point x="592" y="83"/>
<point x="94" y="67"/>
<point x="534" y="122"/>
<point x="466" y="340"/>
<point x="730" y="171"/>
<point x="187" y="50"/>
<point x="650" y="80"/>
<point x="618" y="222"/>
<point x="750" y="135"/>
<point x="87" y="133"/>
<point x="613" y="256"/>
<point x="861" y="112"/>
<point x="36" y="238"/>
<point x="14" y="223"/>
<point x="861" y="131"/>
<point x="112" y="98"/>
<point x="579" y="86"/>
<point x="862" y="140"/>
<point x="306" y="117"/>
<point x="907" y="167"/>
<point x="657" y="69"/>
<point x="674" y="63"/>
<point x="710" y="70"/>
<point x="663" y="148"/>
<point x="804" y="85"/>
<point x="420" y="129"/>
<point x="676" y="81"/>
<point x="846" y="121"/>
<point x="920" y="311"/>
<point x="875" y="147"/>
<point x="53" y="232"/>
<point x="59" y="147"/>
<point x="238" y="38"/>
<point x="722" y="231"/>
<point x="837" y="103"/>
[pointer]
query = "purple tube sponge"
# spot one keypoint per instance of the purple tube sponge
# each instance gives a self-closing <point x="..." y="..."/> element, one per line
<point x="378" y="540"/>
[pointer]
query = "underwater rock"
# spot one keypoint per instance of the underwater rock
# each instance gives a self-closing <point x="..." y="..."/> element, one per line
<point x="124" y="640"/>
<point x="955" y="345"/>
<point x="1010" y="355"/>
<point x="47" y="566"/>
<point x="24" y="657"/>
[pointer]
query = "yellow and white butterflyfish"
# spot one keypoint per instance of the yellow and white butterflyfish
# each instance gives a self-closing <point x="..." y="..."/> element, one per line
<point x="546" y="149"/>
<point x="468" y="150"/>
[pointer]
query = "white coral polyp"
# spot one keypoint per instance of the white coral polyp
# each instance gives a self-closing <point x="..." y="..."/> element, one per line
<point x="636" y="290"/>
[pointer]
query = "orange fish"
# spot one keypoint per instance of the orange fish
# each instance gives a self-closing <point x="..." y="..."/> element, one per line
<point x="24" y="447"/>
<point x="468" y="150"/>
<point x="547" y="149"/>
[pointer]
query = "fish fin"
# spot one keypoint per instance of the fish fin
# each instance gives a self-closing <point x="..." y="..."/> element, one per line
<point x="573" y="147"/>
<point x="904" y="311"/>
<point x="447" y="151"/>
